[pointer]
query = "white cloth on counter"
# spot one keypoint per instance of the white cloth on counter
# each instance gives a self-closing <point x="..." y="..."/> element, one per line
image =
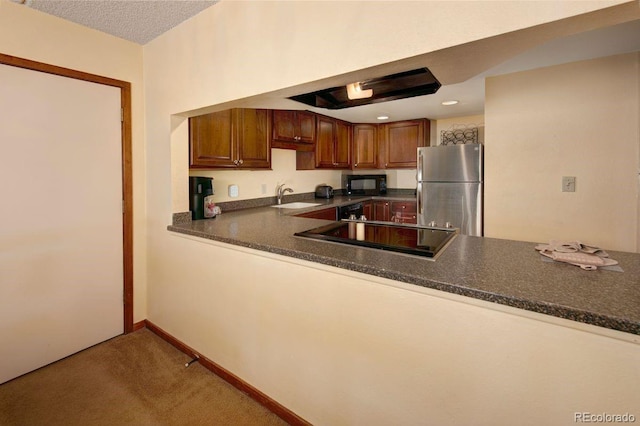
<point x="574" y="252"/>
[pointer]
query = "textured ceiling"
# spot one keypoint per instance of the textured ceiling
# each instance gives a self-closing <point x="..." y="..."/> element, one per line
<point x="133" y="20"/>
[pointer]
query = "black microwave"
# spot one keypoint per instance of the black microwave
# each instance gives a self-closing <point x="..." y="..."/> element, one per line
<point x="364" y="184"/>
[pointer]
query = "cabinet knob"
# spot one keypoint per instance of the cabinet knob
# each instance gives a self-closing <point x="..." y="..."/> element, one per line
<point x="240" y="162"/>
<point x="235" y="162"/>
<point x="355" y="165"/>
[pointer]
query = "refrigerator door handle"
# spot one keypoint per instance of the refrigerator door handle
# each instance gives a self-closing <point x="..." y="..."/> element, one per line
<point x="419" y="201"/>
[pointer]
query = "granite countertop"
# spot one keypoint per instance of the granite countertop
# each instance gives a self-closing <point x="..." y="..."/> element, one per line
<point x="501" y="271"/>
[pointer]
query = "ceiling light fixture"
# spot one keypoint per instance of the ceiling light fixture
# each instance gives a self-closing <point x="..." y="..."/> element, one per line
<point x="391" y="87"/>
<point x="383" y="117"/>
<point x="355" y="91"/>
<point x="449" y="102"/>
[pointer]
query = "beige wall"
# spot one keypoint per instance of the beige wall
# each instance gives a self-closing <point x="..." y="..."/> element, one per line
<point x="333" y="347"/>
<point x="37" y="36"/>
<point x="283" y="171"/>
<point x="343" y="348"/>
<point x="579" y="119"/>
<point x="454" y="123"/>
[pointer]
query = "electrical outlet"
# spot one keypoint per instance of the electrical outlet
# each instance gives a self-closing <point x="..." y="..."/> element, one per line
<point x="233" y="191"/>
<point x="568" y="184"/>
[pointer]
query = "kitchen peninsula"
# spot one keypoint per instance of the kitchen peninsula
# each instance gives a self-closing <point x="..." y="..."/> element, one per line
<point x="505" y="272"/>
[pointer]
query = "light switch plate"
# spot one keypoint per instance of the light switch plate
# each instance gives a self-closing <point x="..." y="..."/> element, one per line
<point x="568" y="184"/>
<point x="233" y="191"/>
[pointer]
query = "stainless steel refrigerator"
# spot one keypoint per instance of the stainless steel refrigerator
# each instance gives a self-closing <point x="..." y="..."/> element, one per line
<point x="450" y="187"/>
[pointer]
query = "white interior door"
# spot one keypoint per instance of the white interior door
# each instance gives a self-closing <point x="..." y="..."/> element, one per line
<point x="61" y="240"/>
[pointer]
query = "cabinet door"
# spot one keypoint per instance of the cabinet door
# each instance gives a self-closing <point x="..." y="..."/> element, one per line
<point x="328" y="214"/>
<point x="325" y="142"/>
<point x="211" y="140"/>
<point x="400" y="141"/>
<point x="342" y="155"/>
<point x="367" y="210"/>
<point x="365" y="144"/>
<point x="294" y="126"/>
<point x="254" y="138"/>
<point x="403" y="212"/>
<point x="284" y="125"/>
<point x="381" y="211"/>
<point x="306" y="126"/>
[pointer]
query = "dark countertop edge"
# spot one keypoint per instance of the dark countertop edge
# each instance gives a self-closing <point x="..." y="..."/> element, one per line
<point x="559" y="311"/>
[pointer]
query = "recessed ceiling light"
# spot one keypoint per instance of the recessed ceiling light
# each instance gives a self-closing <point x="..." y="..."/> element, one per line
<point x="383" y="117"/>
<point x="449" y="102"/>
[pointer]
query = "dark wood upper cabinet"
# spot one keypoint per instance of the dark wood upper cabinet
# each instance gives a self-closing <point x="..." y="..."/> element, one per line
<point x="344" y="134"/>
<point x="235" y="138"/>
<point x="293" y="129"/>
<point x="333" y="143"/>
<point x="365" y="146"/>
<point x="254" y="136"/>
<point x="399" y="142"/>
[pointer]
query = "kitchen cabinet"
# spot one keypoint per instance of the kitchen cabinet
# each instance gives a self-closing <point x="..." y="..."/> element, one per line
<point x="333" y="143"/>
<point x="395" y="211"/>
<point x="365" y="146"/>
<point x="294" y="130"/>
<point x="367" y="209"/>
<point x="382" y="210"/>
<point x="328" y="214"/>
<point x="234" y="138"/>
<point x="399" y="141"/>
<point x="403" y="212"/>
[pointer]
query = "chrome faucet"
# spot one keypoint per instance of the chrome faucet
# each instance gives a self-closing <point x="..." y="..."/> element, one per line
<point x="280" y="191"/>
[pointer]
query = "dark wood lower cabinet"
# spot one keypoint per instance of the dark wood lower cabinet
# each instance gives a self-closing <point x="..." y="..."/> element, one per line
<point x="395" y="211"/>
<point x="403" y="212"/>
<point x="328" y="214"/>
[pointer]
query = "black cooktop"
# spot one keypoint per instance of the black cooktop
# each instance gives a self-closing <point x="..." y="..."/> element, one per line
<point x="406" y="239"/>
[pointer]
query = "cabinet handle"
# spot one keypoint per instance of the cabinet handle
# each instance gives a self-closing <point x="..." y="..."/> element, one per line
<point x="355" y="165"/>
<point x="240" y="162"/>
<point x="235" y="162"/>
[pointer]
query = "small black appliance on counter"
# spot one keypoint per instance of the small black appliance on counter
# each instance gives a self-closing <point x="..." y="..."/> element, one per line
<point x="324" y="191"/>
<point x="200" y="192"/>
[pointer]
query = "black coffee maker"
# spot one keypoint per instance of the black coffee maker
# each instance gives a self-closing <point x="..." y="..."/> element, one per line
<point x="199" y="189"/>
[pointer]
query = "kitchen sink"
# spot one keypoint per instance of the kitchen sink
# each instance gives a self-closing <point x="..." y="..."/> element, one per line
<point x="298" y="205"/>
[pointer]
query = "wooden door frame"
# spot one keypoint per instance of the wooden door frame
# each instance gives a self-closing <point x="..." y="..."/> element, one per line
<point x="127" y="168"/>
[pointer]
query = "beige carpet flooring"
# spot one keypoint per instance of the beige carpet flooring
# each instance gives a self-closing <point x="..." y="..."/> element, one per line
<point x="134" y="379"/>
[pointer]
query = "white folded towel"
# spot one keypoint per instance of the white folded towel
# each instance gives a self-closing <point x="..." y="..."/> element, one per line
<point x="574" y="252"/>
